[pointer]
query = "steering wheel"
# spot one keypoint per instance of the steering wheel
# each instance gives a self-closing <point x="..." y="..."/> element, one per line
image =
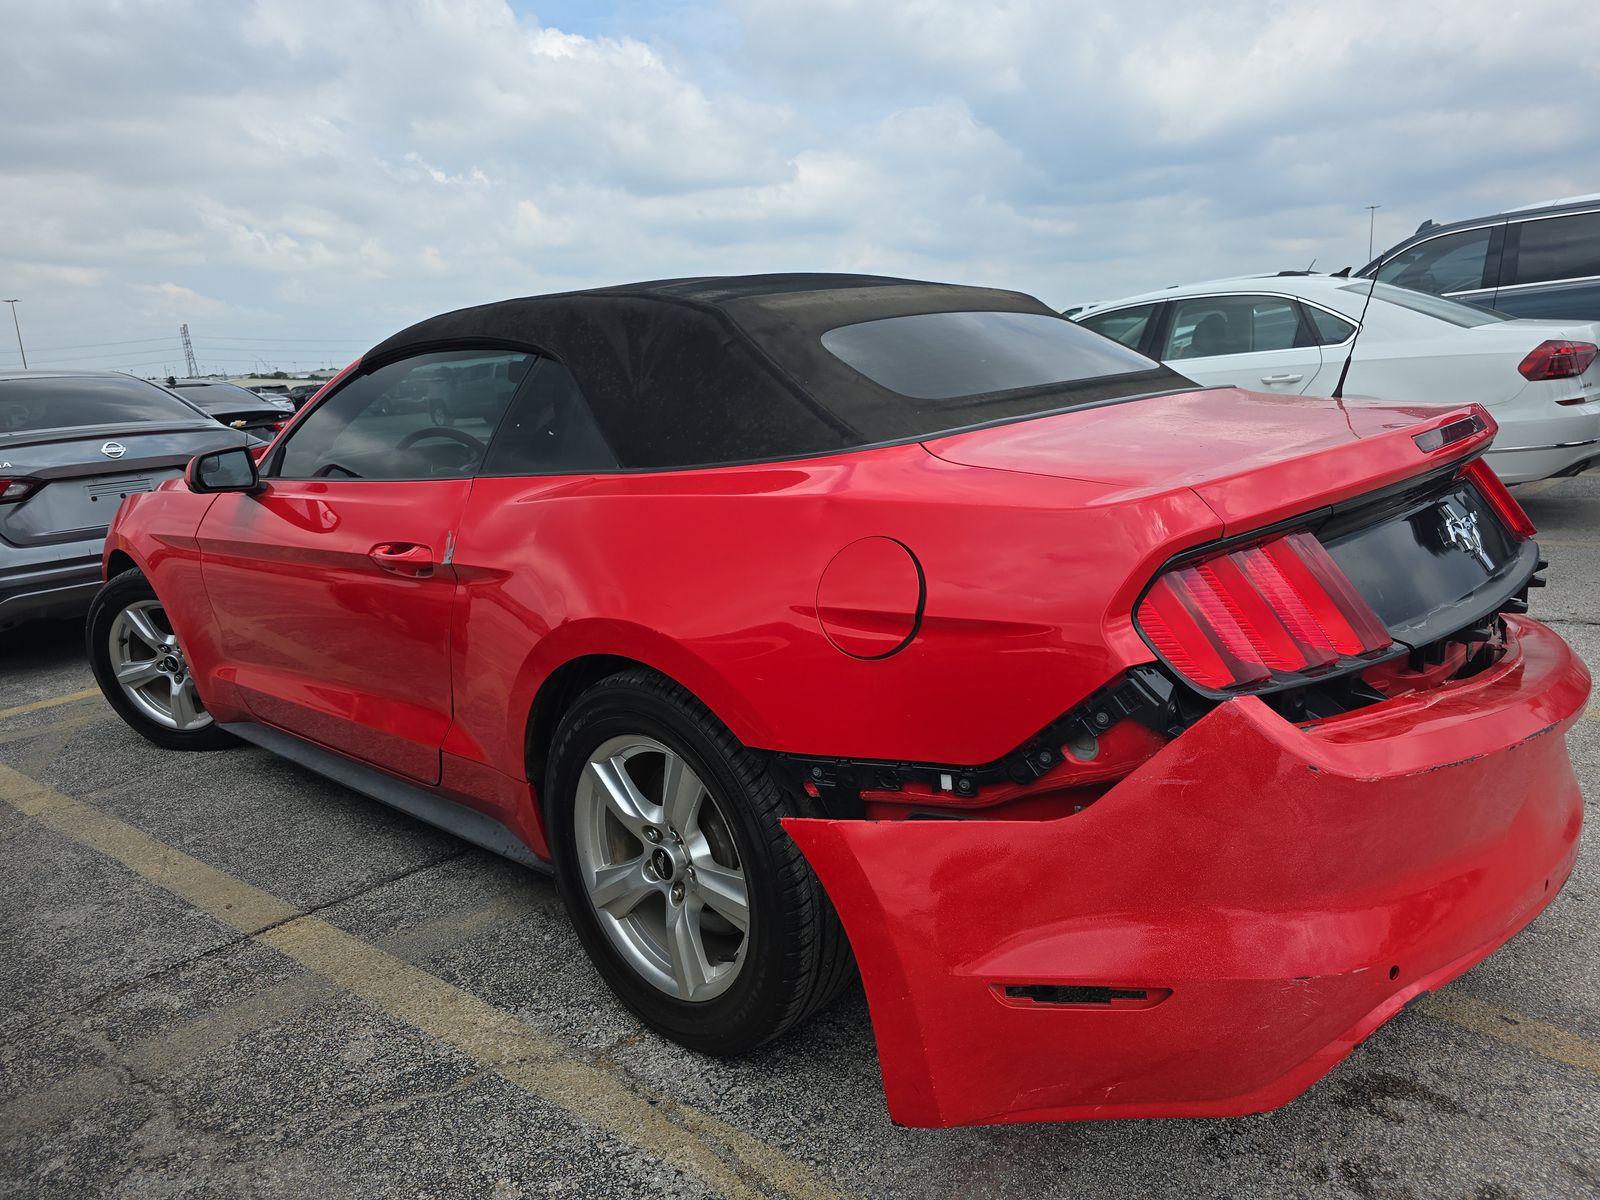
<point x="442" y="431"/>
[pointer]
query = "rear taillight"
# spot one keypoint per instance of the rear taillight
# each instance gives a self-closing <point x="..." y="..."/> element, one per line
<point x="1558" y="360"/>
<point x="13" y="490"/>
<point x="1500" y="499"/>
<point x="1267" y="613"/>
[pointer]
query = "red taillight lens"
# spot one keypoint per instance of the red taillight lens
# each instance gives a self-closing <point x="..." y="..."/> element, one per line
<point x="1240" y="619"/>
<point x="1500" y="499"/>
<point x="1558" y="360"/>
<point x="13" y="490"/>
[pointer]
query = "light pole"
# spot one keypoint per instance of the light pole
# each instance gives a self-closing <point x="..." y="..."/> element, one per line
<point x="18" y="328"/>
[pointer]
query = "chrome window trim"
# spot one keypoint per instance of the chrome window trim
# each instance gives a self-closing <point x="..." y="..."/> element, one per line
<point x="1506" y="219"/>
<point x="1332" y="312"/>
<point x="1557" y="446"/>
<point x="1577" y="212"/>
<point x="1384" y="259"/>
<point x="1543" y="283"/>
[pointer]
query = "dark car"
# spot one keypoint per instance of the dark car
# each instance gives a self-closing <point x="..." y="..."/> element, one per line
<point x="1539" y="261"/>
<point x="234" y="405"/>
<point x="300" y="393"/>
<point x="468" y="392"/>
<point x="72" y="445"/>
<point x="1153" y="744"/>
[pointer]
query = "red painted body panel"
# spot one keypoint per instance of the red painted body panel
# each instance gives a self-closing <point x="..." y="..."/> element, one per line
<point x="712" y="576"/>
<point x="1293" y="887"/>
<point x="320" y="639"/>
<point x="1255" y="458"/>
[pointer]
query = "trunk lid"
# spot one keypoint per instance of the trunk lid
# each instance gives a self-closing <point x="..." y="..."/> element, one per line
<point x="1254" y="458"/>
<point x="83" y="474"/>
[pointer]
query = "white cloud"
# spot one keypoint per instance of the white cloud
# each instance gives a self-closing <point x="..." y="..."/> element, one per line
<point x="178" y="302"/>
<point x="325" y="173"/>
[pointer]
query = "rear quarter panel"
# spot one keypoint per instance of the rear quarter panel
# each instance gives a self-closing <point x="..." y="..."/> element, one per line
<point x="712" y="578"/>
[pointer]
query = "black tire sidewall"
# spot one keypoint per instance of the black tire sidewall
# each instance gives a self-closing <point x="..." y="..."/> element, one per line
<point x="742" y="1016"/>
<point x="111" y="599"/>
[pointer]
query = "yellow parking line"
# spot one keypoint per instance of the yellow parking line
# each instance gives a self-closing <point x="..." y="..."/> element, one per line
<point x="723" y="1157"/>
<point x="727" y="1160"/>
<point x="53" y="702"/>
<point x="1527" y="1033"/>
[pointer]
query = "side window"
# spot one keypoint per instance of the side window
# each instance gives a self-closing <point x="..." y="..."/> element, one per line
<point x="1452" y="263"/>
<point x="1559" y="248"/>
<point x="430" y="416"/>
<point x="1125" y="325"/>
<point x="549" y="430"/>
<point x="1203" y="326"/>
<point x="1331" y="330"/>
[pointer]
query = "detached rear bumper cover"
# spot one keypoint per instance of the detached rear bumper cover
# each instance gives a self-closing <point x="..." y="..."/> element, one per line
<point x="1292" y="887"/>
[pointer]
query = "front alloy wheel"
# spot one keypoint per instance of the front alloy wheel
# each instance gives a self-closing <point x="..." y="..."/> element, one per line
<point x="140" y="666"/>
<point x="149" y="666"/>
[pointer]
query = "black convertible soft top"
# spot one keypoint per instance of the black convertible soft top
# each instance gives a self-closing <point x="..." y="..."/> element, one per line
<point x="716" y="370"/>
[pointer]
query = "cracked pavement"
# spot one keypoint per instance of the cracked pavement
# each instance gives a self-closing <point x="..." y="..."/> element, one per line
<point x="387" y="1011"/>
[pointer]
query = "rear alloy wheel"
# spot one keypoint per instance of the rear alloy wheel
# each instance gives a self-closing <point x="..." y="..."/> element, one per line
<point x="657" y="857"/>
<point x="140" y="665"/>
<point x="695" y="905"/>
<point x="439" y="413"/>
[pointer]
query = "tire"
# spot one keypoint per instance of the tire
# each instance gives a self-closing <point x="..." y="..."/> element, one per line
<point x="439" y="414"/>
<point x="792" y="960"/>
<point x="114" y="641"/>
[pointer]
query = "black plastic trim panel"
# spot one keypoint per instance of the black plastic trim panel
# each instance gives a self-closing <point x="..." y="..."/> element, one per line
<point x="1146" y="694"/>
<point x="466" y="823"/>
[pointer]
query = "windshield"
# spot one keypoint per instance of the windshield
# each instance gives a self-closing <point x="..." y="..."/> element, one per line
<point x="1457" y="312"/>
<point x="940" y="356"/>
<point x="76" y="401"/>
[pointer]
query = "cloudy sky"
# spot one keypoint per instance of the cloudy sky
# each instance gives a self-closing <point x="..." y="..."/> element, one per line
<point x="296" y="179"/>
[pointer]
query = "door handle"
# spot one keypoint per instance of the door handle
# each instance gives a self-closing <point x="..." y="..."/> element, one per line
<point x="403" y="558"/>
<point x="1282" y="378"/>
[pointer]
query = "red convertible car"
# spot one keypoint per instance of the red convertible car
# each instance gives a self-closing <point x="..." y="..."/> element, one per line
<point x="1144" y="746"/>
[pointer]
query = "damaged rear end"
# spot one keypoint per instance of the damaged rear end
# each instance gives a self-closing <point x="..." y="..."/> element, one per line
<point x="1330" y="776"/>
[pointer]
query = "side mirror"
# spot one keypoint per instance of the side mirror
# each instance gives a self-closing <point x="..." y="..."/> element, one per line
<point x="231" y="470"/>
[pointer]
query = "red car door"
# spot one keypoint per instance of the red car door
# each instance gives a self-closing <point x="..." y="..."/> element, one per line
<point x="333" y="585"/>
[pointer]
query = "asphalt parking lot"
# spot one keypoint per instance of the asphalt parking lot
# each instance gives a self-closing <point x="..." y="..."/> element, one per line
<point x="223" y="976"/>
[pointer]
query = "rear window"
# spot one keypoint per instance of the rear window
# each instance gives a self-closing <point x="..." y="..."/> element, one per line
<point x="1453" y="311"/>
<point x="221" y="395"/>
<point x="1125" y="325"/>
<point x="941" y="356"/>
<point x="72" y="402"/>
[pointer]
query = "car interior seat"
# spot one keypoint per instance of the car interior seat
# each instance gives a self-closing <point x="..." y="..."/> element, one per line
<point x="1210" y="336"/>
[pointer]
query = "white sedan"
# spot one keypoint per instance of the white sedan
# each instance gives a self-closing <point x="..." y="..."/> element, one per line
<point x="1292" y="332"/>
